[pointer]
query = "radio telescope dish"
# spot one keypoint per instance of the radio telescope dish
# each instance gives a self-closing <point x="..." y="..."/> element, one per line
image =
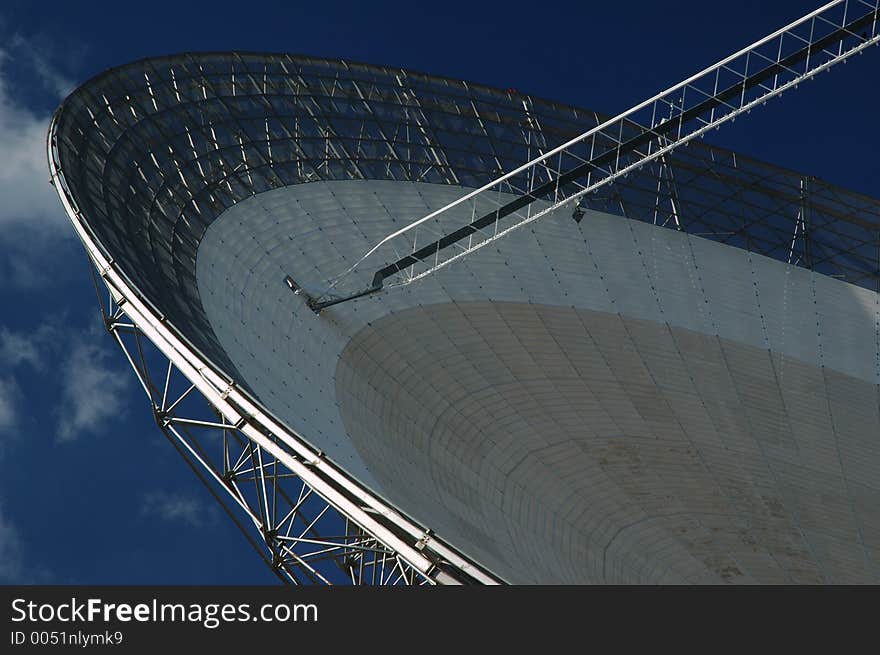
<point x="682" y="384"/>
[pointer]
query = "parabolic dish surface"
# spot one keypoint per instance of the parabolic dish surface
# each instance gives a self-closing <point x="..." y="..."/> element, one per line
<point x="626" y="399"/>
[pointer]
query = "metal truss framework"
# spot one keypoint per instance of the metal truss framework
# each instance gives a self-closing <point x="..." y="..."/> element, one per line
<point x="305" y="539"/>
<point x="304" y="508"/>
<point x="156" y="150"/>
<point x="146" y="156"/>
<point x="620" y="145"/>
<point x="299" y="530"/>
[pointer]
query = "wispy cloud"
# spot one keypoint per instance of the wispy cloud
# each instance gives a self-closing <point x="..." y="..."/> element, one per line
<point x="19" y="351"/>
<point x="36" y="241"/>
<point x="28" y="198"/>
<point x="33" y="50"/>
<point x="177" y="508"/>
<point x="15" y="565"/>
<point x="9" y="401"/>
<point x="11" y="552"/>
<point x="93" y="391"/>
<point x="92" y="385"/>
<point x="17" y="348"/>
<point x="35" y="256"/>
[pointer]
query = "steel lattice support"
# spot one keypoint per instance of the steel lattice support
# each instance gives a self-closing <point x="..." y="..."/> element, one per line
<point x="298" y="531"/>
<point x="619" y="146"/>
<point x="305" y="508"/>
<point x="155" y="151"/>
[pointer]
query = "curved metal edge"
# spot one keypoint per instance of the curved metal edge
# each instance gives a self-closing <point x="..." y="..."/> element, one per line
<point x="413" y="543"/>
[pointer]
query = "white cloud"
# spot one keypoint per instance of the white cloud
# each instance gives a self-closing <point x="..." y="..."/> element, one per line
<point x="92" y="392"/>
<point x="11" y="552"/>
<point x="91" y="389"/>
<point x="36" y="240"/>
<point x="177" y="508"/>
<point x="17" y="349"/>
<point x="28" y="198"/>
<point x="59" y="85"/>
<point x="9" y="397"/>
<point x="25" y="348"/>
<point x="14" y="565"/>
<point x="33" y="257"/>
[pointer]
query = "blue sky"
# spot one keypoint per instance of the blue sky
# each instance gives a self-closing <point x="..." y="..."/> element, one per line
<point x="90" y="492"/>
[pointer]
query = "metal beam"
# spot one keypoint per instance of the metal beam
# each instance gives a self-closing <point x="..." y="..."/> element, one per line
<point x="821" y="39"/>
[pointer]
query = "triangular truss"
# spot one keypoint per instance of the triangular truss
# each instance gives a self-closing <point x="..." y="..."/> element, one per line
<point x="619" y="146"/>
<point x="301" y="536"/>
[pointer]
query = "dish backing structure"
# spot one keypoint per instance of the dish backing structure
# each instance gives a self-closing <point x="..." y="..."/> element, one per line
<point x="683" y="385"/>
